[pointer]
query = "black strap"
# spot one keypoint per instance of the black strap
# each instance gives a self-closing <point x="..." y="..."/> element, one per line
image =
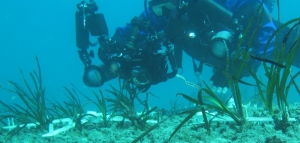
<point x="178" y="51"/>
<point x="197" y="69"/>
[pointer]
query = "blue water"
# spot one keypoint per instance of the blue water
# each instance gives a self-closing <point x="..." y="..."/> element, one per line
<point x="46" y="29"/>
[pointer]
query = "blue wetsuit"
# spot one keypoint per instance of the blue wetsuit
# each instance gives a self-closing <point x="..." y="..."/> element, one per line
<point x="265" y="31"/>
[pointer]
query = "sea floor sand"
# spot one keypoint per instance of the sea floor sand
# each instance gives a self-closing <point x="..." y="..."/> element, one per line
<point x="221" y="132"/>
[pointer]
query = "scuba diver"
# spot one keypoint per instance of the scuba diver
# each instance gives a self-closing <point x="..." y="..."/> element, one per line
<point x="141" y="58"/>
<point x="209" y="31"/>
<point x="142" y="51"/>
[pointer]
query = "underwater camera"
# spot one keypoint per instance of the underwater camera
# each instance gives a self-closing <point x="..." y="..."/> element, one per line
<point x="139" y="76"/>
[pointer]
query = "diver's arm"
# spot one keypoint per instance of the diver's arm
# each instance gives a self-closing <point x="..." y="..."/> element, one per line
<point x="259" y="46"/>
<point x="262" y="35"/>
<point x="259" y="26"/>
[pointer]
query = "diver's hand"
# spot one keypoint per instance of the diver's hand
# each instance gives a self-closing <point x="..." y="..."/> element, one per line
<point x="218" y="89"/>
<point x="218" y="83"/>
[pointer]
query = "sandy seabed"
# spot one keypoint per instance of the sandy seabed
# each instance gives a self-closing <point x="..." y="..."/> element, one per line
<point x="221" y="132"/>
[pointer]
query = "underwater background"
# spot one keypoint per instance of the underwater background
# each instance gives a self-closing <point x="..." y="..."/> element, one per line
<point x="47" y="29"/>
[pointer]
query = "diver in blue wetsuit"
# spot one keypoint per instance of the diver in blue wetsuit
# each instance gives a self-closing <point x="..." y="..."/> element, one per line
<point x="206" y="30"/>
